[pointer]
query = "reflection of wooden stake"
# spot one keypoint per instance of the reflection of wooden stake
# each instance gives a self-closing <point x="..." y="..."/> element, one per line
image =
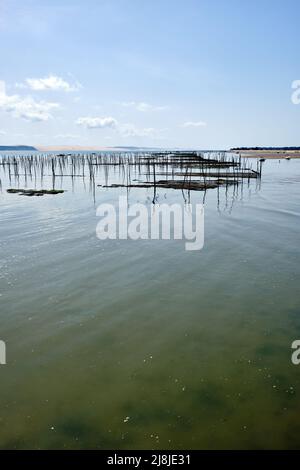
<point x="53" y="173"/>
<point x="154" y="180"/>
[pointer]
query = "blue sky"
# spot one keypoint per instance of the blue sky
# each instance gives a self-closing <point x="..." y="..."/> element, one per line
<point x="203" y="74"/>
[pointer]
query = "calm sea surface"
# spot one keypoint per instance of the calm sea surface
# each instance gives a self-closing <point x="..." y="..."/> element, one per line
<point x="142" y="344"/>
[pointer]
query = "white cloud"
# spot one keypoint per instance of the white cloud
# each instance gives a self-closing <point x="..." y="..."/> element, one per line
<point x="97" y="122"/>
<point x="142" y="106"/>
<point x="126" y="104"/>
<point x="25" y="107"/>
<point x="125" y="130"/>
<point x="67" y="136"/>
<point x="130" y="130"/>
<point x="52" y="82"/>
<point x="194" y="124"/>
<point x="2" y="132"/>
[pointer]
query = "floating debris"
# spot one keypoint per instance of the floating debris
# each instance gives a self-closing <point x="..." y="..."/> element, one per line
<point x="174" y="184"/>
<point x="34" y="192"/>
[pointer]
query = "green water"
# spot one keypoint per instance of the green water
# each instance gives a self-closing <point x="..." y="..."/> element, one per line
<point x="141" y="344"/>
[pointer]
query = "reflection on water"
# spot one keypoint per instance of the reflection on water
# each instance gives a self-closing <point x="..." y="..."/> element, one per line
<point x="140" y="344"/>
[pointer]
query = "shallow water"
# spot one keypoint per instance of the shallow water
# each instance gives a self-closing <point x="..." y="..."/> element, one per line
<point x="141" y="344"/>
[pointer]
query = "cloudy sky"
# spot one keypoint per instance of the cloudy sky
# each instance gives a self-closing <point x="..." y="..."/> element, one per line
<point x="163" y="73"/>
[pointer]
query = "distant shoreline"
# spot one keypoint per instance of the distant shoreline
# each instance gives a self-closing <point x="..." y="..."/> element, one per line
<point x="269" y="153"/>
<point x="17" y="148"/>
<point x="244" y="152"/>
<point x="265" y="148"/>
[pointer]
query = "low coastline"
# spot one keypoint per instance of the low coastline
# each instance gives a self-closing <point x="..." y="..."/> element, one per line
<point x="268" y="153"/>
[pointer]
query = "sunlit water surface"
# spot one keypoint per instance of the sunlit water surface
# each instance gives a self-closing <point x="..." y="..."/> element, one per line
<point x="142" y="344"/>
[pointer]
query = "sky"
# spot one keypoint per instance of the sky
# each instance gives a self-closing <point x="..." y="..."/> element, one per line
<point x="207" y="74"/>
